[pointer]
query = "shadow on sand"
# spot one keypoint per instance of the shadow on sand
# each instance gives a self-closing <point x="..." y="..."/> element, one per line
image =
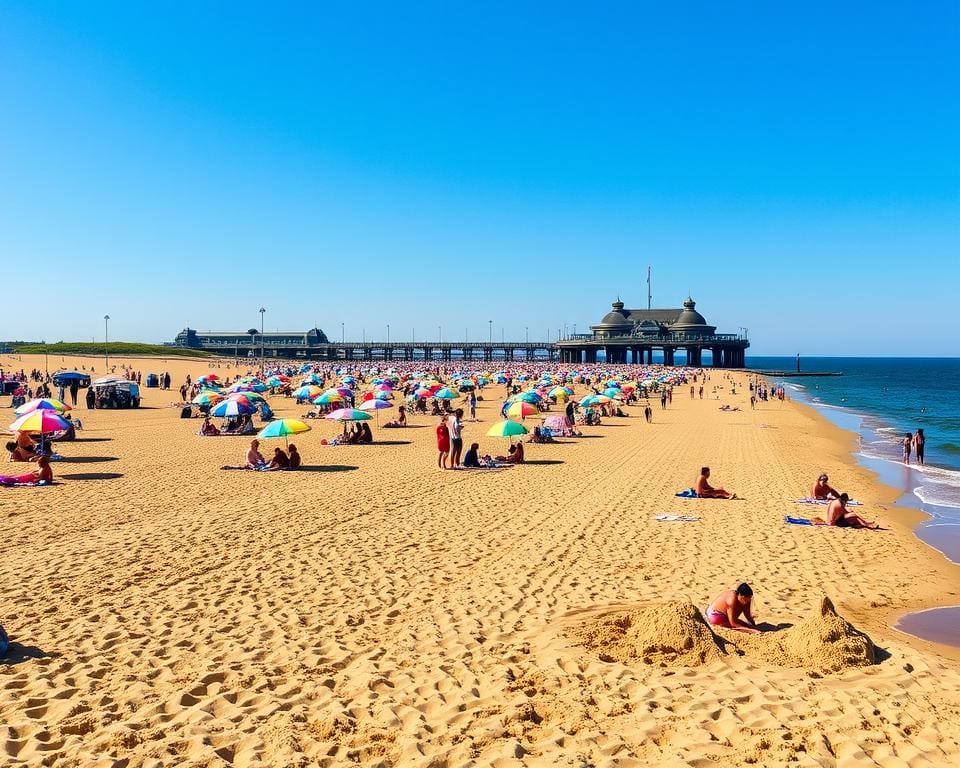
<point x="18" y="653"/>
<point x="542" y="462"/>
<point x="92" y="476"/>
<point x="327" y="468"/>
<point x="85" y="459"/>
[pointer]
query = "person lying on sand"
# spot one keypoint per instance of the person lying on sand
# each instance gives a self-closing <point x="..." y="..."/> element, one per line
<point x="822" y="489"/>
<point x="839" y="516"/>
<point x="706" y="491"/>
<point x="727" y="609"/>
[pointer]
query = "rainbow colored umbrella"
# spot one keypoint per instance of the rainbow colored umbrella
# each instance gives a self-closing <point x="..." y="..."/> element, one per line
<point x="327" y="398"/>
<point x="520" y="410"/>
<point x="283" y="428"/>
<point x="348" y="414"/>
<point x="42" y="422"/>
<point x="234" y="407"/>
<point x="42" y="404"/>
<point x="207" y="398"/>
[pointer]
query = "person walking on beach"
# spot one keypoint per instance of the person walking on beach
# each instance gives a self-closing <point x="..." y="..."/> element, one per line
<point x="918" y="440"/>
<point x="706" y="491"/>
<point x="74" y="389"/>
<point x="443" y="443"/>
<point x="648" y="412"/>
<point x="455" y="423"/>
<point x="837" y="515"/>
<point x="907" y="444"/>
<point x="663" y="399"/>
<point x="730" y="605"/>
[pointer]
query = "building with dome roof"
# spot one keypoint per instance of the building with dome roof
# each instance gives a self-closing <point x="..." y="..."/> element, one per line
<point x="632" y="335"/>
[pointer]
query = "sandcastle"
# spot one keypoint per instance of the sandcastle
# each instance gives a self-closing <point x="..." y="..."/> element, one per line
<point x="676" y="634"/>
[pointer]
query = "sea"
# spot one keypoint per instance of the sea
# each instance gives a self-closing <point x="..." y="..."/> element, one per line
<point x="882" y="399"/>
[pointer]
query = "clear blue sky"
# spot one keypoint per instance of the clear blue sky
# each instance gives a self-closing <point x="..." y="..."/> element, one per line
<point x="795" y="167"/>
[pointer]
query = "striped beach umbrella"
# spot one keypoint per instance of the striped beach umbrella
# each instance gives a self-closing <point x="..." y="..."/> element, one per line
<point x="42" y="404"/>
<point x="42" y="422"/>
<point x="507" y="428"/>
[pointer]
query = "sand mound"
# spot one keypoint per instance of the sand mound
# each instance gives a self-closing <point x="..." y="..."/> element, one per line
<point x="828" y="641"/>
<point x="825" y="642"/>
<point x="668" y="635"/>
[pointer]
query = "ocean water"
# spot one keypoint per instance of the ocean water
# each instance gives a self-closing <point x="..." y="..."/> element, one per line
<point x="881" y="399"/>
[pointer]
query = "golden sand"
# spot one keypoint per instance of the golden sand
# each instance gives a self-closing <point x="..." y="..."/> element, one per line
<point x="378" y="611"/>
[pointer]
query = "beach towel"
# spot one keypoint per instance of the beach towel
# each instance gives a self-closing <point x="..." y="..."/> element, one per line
<point x="687" y="493"/>
<point x="676" y="519"/>
<point x="4" y="642"/>
<point x="824" y="502"/>
<point x="804" y="520"/>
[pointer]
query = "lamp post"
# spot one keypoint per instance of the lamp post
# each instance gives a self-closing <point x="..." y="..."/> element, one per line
<point x="440" y="333"/>
<point x="388" y="333"/>
<point x="262" y="351"/>
<point x="106" y="341"/>
<point x="341" y="333"/>
<point x="46" y="367"/>
<point x="490" y="323"/>
<point x="526" y="334"/>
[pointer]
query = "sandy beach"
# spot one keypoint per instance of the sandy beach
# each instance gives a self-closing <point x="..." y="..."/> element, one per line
<point x="376" y="610"/>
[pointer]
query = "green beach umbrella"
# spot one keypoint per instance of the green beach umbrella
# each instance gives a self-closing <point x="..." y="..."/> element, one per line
<point x="507" y="428"/>
<point x="283" y="428"/>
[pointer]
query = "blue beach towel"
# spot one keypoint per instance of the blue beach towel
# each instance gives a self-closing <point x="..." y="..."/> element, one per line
<point x="687" y="493"/>
<point x="800" y="521"/>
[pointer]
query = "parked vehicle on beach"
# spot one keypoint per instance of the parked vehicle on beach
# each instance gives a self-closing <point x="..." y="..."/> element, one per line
<point x="115" y="392"/>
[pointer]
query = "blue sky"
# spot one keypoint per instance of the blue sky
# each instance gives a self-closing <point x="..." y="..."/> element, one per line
<point x="434" y="164"/>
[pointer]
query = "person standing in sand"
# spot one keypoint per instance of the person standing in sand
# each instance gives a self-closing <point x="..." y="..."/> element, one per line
<point x="455" y="423"/>
<point x="918" y="442"/>
<point x="838" y="516"/>
<point x="443" y="443"/>
<point x="727" y="609"/>
<point x="706" y="491"/>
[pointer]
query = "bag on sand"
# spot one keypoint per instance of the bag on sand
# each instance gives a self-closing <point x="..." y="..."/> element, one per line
<point x="186" y="412"/>
<point x="4" y="643"/>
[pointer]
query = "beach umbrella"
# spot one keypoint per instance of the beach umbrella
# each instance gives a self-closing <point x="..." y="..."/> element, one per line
<point x="556" y="423"/>
<point x="521" y="410"/>
<point x="374" y="405"/>
<point x="253" y="397"/>
<point x="283" y="428"/>
<point x="529" y="397"/>
<point x="233" y="407"/>
<point x="507" y="428"/>
<point x="445" y="394"/>
<point x="327" y="398"/>
<point x="207" y="377"/>
<point x="590" y="400"/>
<point x="307" y="392"/>
<point x="612" y="392"/>
<point x="207" y="398"/>
<point x="384" y="396"/>
<point x="42" y="404"/>
<point x="42" y="422"/>
<point x="347" y="414"/>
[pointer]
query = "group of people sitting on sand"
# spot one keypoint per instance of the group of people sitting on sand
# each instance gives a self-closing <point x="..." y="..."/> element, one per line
<point x="282" y="460"/>
<point x="473" y="460"/>
<point x="837" y="513"/>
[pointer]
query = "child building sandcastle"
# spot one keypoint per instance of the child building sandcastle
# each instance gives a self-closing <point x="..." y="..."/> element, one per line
<point x="677" y="635"/>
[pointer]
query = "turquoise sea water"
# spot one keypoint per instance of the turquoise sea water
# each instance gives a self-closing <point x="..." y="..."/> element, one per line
<point x="881" y="399"/>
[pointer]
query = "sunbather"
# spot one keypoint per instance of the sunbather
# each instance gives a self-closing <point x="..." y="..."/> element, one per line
<point x="255" y="459"/>
<point x="279" y="461"/>
<point x="42" y="474"/>
<point x="294" y="457"/>
<point x="822" y="489"/>
<point x="839" y="516"/>
<point x="706" y="491"/>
